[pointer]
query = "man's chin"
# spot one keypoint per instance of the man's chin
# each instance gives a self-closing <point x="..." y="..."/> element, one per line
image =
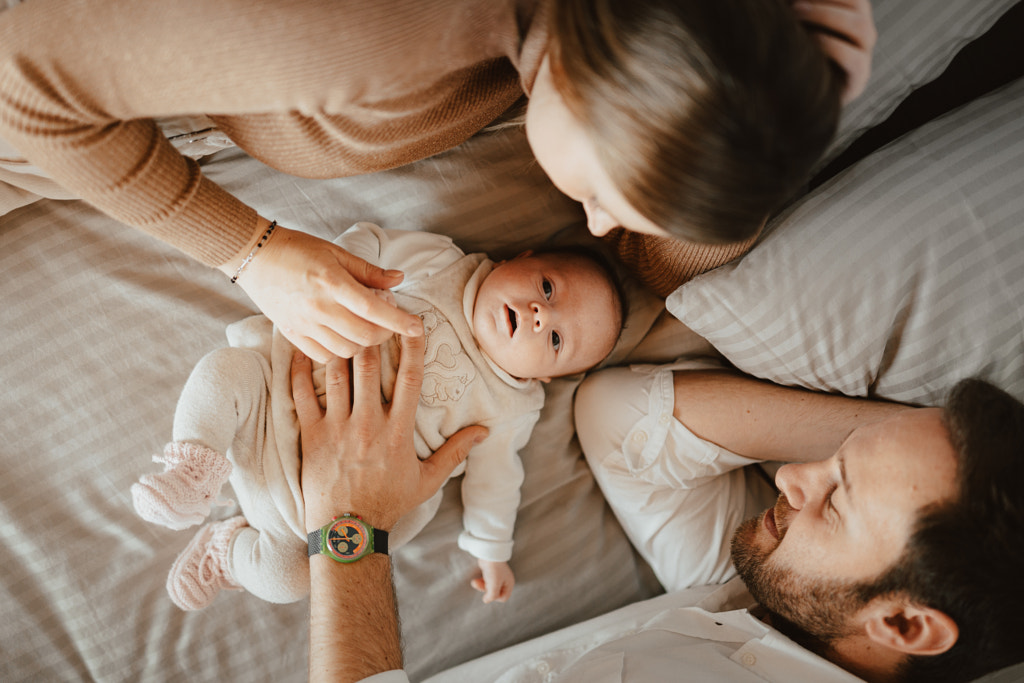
<point x="751" y="543"/>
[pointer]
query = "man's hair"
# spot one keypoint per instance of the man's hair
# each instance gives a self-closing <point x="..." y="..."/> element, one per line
<point x="706" y="115"/>
<point x="965" y="556"/>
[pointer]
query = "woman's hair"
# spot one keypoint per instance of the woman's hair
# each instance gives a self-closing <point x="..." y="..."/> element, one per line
<point x="706" y="114"/>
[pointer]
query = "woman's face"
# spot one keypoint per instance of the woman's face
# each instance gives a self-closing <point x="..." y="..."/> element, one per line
<point x="570" y="159"/>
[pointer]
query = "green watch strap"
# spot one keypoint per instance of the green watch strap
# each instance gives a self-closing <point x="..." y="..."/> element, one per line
<point x="347" y="538"/>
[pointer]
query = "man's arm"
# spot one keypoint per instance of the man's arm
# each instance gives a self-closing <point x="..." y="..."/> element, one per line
<point x="353" y="619"/>
<point x="766" y="421"/>
<point x="358" y="457"/>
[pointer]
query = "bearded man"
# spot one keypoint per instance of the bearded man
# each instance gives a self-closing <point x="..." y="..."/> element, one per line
<point x="892" y="547"/>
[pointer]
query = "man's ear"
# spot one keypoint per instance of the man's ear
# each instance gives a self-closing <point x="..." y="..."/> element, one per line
<point x="910" y="628"/>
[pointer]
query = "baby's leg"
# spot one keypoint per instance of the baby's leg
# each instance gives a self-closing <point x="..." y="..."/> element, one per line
<point x="223" y="404"/>
<point x="270" y="562"/>
<point x="225" y="397"/>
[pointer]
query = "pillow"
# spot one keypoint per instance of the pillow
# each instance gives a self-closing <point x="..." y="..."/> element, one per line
<point x="897" y="278"/>
<point x="916" y="42"/>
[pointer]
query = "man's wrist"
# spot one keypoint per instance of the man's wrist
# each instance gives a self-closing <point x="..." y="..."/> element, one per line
<point x="378" y="520"/>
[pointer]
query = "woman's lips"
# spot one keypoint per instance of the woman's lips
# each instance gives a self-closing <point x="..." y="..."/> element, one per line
<point x="769" y="523"/>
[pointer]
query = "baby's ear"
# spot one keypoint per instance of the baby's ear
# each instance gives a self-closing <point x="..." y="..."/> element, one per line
<point x="524" y="254"/>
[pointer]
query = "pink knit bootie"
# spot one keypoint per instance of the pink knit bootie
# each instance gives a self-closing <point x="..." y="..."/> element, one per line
<point x="201" y="570"/>
<point x="181" y="495"/>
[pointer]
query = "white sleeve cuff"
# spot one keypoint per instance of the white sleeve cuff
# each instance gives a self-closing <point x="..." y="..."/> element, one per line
<point x="492" y="551"/>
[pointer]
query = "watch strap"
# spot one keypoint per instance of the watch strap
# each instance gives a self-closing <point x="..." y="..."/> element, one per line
<point x="315" y="541"/>
<point x="380" y="541"/>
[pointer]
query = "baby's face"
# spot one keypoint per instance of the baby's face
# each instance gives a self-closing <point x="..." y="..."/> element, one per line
<point x="546" y="316"/>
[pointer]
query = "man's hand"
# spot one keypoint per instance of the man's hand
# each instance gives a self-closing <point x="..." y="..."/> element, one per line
<point x="322" y="297"/>
<point x="497" y="581"/>
<point x="357" y="454"/>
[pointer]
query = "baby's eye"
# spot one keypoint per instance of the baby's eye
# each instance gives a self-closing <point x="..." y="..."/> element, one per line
<point x="556" y="340"/>
<point x="547" y="289"/>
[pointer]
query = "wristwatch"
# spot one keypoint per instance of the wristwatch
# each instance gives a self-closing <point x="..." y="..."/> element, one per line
<point x="347" y="538"/>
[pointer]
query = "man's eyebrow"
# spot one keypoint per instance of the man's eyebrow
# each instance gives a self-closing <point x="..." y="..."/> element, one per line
<point x="841" y="458"/>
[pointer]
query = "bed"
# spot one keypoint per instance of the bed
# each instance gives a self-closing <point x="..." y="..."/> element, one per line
<point x="916" y="254"/>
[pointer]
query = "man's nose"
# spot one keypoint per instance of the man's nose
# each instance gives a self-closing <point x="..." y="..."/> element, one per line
<point x="792" y="481"/>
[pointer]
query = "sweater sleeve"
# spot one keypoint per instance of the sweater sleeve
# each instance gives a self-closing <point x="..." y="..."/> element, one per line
<point x="78" y="103"/>
<point x="82" y="80"/>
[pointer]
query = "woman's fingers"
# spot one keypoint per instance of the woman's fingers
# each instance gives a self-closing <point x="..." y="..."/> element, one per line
<point x="322" y="297"/>
<point x="409" y="380"/>
<point x="847" y="34"/>
<point x="357" y="293"/>
<point x="853" y="61"/>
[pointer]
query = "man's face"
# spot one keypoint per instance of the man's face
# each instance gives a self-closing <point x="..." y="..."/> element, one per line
<point x="546" y="316"/>
<point x="843" y="521"/>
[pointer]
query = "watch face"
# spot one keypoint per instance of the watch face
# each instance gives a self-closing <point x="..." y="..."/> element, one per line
<point x="348" y="538"/>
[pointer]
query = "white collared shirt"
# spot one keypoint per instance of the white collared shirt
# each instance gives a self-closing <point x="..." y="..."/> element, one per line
<point x="701" y="634"/>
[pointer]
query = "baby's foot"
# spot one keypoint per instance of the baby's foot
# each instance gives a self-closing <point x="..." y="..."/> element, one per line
<point x="181" y="495"/>
<point x="201" y="570"/>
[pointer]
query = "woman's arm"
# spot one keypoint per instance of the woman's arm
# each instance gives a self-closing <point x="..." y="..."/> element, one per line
<point x="358" y="457"/>
<point x="80" y="103"/>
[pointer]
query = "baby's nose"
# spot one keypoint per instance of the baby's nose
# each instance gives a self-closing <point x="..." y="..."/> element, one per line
<point x="540" y="316"/>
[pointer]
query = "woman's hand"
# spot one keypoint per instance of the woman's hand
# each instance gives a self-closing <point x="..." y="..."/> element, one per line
<point x="847" y="34"/>
<point x="322" y="297"/>
<point x="357" y="455"/>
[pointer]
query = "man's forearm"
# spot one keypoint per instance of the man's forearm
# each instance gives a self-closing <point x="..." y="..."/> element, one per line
<point x="766" y="421"/>
<point x="354" y="631"/>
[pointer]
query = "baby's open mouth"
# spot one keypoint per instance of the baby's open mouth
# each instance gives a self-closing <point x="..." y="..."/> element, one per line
<point x="513" y="320"/>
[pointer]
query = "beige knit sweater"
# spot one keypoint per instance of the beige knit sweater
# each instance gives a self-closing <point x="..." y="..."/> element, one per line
<point x="317" y="88"/>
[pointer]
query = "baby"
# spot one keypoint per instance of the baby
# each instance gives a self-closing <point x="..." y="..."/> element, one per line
<point x="493" y="332"/>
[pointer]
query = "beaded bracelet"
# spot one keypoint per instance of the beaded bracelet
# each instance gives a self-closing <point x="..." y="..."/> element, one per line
<point x="252" y="254"/>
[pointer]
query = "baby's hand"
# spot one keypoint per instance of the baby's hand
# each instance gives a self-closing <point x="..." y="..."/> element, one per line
<point x="496" y="582"/>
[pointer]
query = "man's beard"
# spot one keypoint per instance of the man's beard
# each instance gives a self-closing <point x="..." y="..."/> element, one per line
<point x="815" y="611"/>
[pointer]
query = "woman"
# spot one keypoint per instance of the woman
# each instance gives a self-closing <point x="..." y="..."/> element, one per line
<point x="679" y="119"/>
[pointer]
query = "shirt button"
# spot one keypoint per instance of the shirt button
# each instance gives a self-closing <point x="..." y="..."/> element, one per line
<point x="640" y="437"/>
<point x="665" y="417"/>
<point x="543" y="668"/>
<point x="748" y="659"/>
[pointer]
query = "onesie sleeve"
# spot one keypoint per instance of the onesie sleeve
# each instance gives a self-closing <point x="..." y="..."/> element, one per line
<point x="490" y="489"/>
<point x="417" y="254"/>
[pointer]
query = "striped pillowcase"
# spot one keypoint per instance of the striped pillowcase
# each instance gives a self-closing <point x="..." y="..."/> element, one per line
<point x="916" y="42"/>
<point x="895" y="279"/>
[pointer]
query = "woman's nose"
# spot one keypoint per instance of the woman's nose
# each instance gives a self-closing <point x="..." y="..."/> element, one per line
<point x="598" y="222"/>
